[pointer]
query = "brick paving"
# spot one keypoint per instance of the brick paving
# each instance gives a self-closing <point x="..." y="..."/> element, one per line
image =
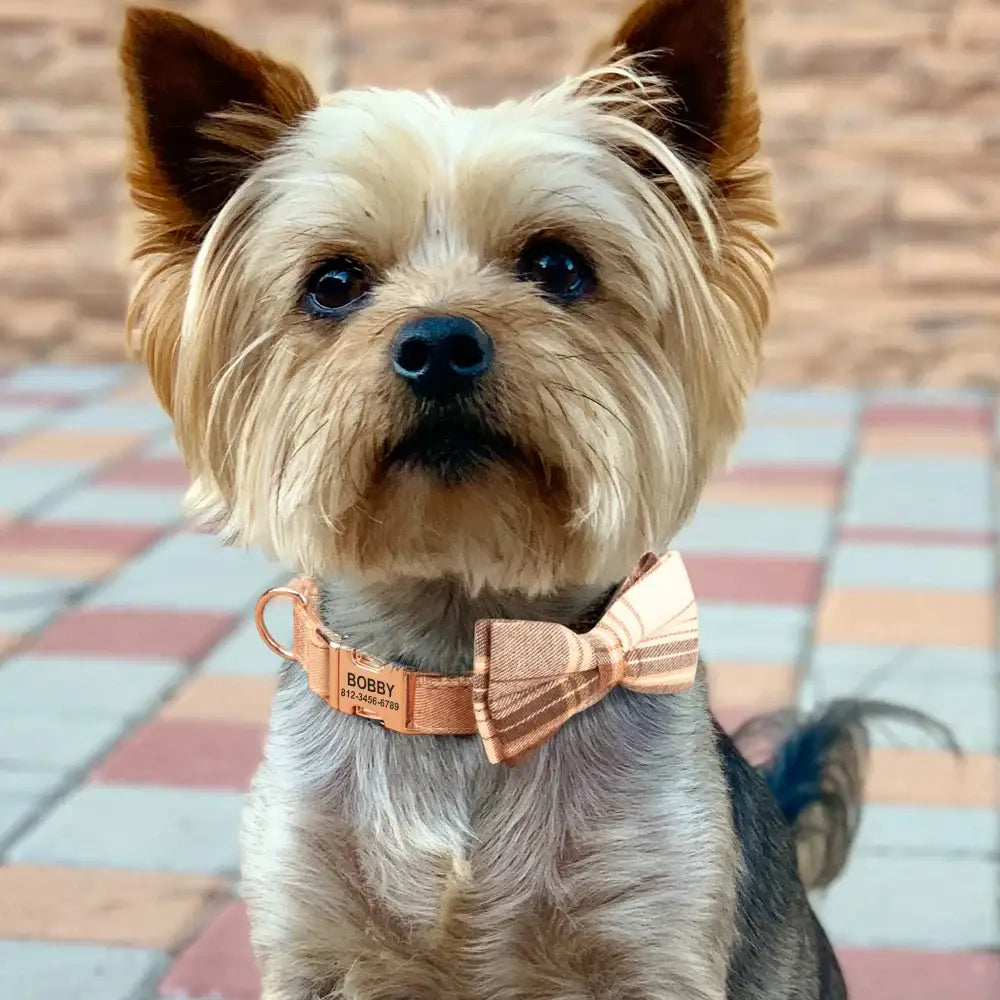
<point x="882" y="120"/>
<point x="850" y="548"/>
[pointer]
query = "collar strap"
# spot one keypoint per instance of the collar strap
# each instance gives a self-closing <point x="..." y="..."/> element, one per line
<point x="528" y="678"/>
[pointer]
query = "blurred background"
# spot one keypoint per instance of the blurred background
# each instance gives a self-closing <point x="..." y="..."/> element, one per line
<point x="850" y="547"/>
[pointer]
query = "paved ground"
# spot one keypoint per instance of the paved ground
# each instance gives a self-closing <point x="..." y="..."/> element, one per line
<point x="882" y="119"/>
<point x="851" y="548"/>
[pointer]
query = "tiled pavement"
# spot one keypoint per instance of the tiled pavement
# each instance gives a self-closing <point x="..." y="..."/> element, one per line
<point x="850" y="548"/>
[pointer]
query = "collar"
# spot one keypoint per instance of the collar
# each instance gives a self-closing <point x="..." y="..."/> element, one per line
<point x="528" y="677"/>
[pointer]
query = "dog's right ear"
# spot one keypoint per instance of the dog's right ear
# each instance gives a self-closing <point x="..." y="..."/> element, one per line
<point x="202" y="111"/>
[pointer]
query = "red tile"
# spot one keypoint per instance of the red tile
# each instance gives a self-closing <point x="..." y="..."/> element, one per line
<point x="185" y="753"/>
<point x="783" y="475"/>
<point x="218" y="963"/>
<point x="154" y="472"/>
<point x="62" y="536"/>
<point x="913" y="415"/>
<point x="754" y="579"/>
<point x="875" y="974"/>
<point x="153" y="634"/>
<point x="916" y="536"/>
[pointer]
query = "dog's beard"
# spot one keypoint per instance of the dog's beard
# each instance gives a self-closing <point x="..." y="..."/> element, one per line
<point x="451" y="444"/>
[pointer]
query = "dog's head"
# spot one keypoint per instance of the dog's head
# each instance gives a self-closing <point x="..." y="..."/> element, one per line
<point x="400" y="338"/>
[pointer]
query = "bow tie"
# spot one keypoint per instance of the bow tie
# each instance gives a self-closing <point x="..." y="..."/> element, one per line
<point x="528" y="679"/>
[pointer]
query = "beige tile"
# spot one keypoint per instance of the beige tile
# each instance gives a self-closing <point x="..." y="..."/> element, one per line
<point x="924" y="441"/>
<point x="757" y="686"/>
<point x="933" y="778"/>
<point x="907" y="617"/>
<point x="73" y="446"/>
<point x="139" y="909"/>
<point x="223" y="698"/>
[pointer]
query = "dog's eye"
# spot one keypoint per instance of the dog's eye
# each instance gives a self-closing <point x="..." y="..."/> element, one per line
<point x="337" y="287"/>
<point x="557" y="268"/>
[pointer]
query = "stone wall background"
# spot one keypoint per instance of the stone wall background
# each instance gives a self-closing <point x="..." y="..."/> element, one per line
<point x="882" y="122"/>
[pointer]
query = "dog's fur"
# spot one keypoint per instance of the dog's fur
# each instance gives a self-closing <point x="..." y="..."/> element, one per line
<point x="637" y="855"/>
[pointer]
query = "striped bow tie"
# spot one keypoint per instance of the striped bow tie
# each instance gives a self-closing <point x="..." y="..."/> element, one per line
<point x="531" y="677"/>
<point x="528" y="677"/>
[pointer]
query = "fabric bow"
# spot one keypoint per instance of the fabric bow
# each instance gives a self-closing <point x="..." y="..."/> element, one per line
<point x="531" y="677"/>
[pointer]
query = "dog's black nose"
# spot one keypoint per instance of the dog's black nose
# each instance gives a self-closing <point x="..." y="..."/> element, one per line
<point x="441" y="356"/>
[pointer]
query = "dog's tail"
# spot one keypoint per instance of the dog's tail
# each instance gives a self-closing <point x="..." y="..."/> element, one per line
<point x="815" y="766"/>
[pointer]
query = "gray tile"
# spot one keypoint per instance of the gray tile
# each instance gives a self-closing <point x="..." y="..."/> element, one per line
<point x="117" y="505"/>
<point x="190" y="571"/>
<point x="761" y="531"/>
<point x="86" y="686"/>
<point x="949" y="493"/>
<point x="41" y="970"/>
<point x="25" y="484"/>
<point x="126" y="826"/>
<point x="778" y="444"/>
<point x="909" y="901"/>
<point x="49" y="740"/>
<point x="935" y="567"/>
<point x="243" y="652"/>
<point x="768" y="633"/>
<point x="863" y="666"/>
<point x="928" y="830"/>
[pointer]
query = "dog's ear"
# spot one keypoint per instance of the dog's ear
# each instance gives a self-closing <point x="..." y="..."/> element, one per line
<point x="202" y="110"/>
<point x="697" y="50"/>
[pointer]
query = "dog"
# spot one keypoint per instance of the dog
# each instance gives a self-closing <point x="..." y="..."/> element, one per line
<point x="459" y="365"/>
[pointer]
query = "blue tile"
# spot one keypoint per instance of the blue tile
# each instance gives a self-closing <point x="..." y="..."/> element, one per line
<point x="190" y="571"/>
<point x="87" y="686"/>
<point x="867" y="665"/>
<point x="24" y="484"/>
<point x="908" y="901"/>
<point x="928" y="830"/>
<point x="49" y="740"/>
<point x="117" y="505"/>
<point x="950" y="493"/>
<point x="67" y="378"/>
<point x="17" y="590"/>
<point x="43" y="970"/>
<point x="766" y="633"/>
<point x="20" y="419"/>
<point x="930" y="396"/>
<point x="146" y="828"/>
<point x="778" y="444"/>
<point x="163" y="446"/>
<point x="756" y="530"/>
<point x="28" y="617"/>
<point x="134" y="417"/>
<point x="243" y="652"/>
<point x="27" y="781"/>
<point x="924" y="567"/>
<point x="15" y="812"/>
<point x="793" y="402"/>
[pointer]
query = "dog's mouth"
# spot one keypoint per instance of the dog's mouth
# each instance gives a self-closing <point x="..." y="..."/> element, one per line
<point x="451" y="446"/>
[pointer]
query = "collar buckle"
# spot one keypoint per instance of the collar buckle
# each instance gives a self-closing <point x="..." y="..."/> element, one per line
<point x="372" y="688"/>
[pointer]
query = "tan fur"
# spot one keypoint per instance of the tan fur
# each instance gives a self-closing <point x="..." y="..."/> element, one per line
<point x="380" y="870"/>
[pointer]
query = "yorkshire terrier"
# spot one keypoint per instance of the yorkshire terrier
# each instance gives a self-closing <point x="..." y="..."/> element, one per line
<point x="462" y="364"/>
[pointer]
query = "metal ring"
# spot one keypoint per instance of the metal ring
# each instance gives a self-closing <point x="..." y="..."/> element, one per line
<point x="258" y="617"/>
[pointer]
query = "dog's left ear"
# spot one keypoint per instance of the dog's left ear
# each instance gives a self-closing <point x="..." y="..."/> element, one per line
<point x="697" y="50"/>
<point x="179" y="77"/>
